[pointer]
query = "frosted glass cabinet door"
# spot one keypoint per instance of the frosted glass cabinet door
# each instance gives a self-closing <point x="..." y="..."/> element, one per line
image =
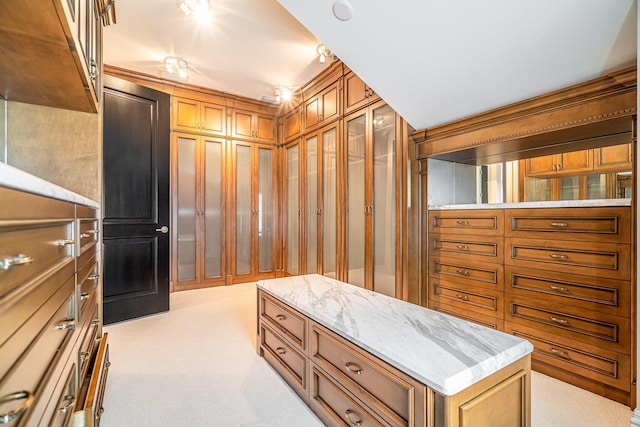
<point x="243" y="209"/>
<point x="186" y="208"/>
<point x="213" y="219"/>
<point x="311" y="211"/>
<point x="265" y="210"/>
<point x="356" y="168"/>
<point x="329" y="200"/>
<point x="292" y="183"/>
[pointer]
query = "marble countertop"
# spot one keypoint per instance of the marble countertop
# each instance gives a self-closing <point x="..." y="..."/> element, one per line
<point x="443" y="352"/>
<point x="17" y="179"/>
<point x="530" y="205"/>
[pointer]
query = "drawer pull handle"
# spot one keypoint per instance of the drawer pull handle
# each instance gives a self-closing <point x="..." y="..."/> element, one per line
<point x="463" y="247"/>
<point x="72" y="401"/>
<point x="348" y="414"/>
<point x="560" y="353"/>
<point x="559" y="289"/>
<point x="65" y="242"/>
<point x="353" y="368"/>
<point x="462" y="297"/>
<point x="67" y="324"/>
<point x="559" y="224"/>
<point x="462" y="222"/>
<point x="558" y="321"/>
<point x="20" y="259"/>
<point x="281" y="317"/>
<point x="85" y="236"/>
<point x="14" y="413"/>
<point x="463" y="272"/>
<point x="94" y="232"/>
<point x="558" y="256"/>
<point x="94" y="277"/>
<point x="84" y="296"/>
<point x="281" y="351"/>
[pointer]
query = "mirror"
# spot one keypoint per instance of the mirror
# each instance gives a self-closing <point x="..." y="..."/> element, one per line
<point x="3" y="130"/>
<point x="590" y="174"/>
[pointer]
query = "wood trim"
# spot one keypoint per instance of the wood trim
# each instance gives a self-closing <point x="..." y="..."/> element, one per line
<point x="330" y="75"/>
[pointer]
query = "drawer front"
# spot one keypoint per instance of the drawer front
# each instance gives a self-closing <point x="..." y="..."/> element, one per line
<point x="89" y="233"/>
<point x="609" y="260"/>
<point x="474" y="222"/>
<point x="90" y="326"/>
<point x="588" y="292"/>
<point x="599" y="329"/>
<point x="480" y="300"/>
<point x="592" y="224"/>
<point x="59" y="415"/>
<point x="602" y="365"/>
<point x="292" y="361"/>
<point x="88" y="282"/>
<point x="26" y="253"/>
<point x="86" y="257"/>
<point x="467" y="272"/>
<point x="370" y="381"/>
<point x="487" y="249"/>
<point x="471" y="316"/>
<point x="284" y="319"/>
<point x="97" y="381"/>
<point x="335" y="406"/>
<point x="21" y="206"/>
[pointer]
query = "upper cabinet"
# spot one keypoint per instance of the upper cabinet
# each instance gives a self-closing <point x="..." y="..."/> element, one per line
<point x="614" y="158"/>
<point x="356" y="93"/>
<point x="51" y="53"/>
<point x="200" y="117"/>
<point x="292" y="124"/>
<point x="253" y="126"/>
<point x="323" y="107"/>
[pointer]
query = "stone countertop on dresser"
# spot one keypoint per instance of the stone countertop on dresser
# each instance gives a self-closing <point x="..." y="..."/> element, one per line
<point x="443" y="352"/>
<point x="17" y="179"/>
<point x="537" y="205"/>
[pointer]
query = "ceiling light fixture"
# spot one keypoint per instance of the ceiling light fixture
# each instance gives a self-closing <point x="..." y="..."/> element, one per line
<point x="193" y="6"/>
<point x="176" y="65"/>
<point x="323" y="52"/>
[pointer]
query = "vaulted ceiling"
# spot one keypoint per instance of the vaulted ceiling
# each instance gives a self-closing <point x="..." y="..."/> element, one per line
<point x="433" y="61"/>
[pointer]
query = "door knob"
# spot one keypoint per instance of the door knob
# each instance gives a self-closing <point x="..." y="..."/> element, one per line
<point x="164" y="229"/>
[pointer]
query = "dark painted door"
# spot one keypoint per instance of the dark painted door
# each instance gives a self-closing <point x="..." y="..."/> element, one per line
<point x="136" y="200"/>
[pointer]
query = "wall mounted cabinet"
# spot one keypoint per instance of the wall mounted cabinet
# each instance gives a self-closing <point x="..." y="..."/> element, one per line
<point x="196" y="116"/>
<point x="323" y="107"/>
<point x="292" y="124"/>
<point x="253" y="126"/>
<point x="357" y="93"/>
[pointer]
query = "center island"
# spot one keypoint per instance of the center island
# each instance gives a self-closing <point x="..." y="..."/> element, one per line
<point x="357" y="357"/>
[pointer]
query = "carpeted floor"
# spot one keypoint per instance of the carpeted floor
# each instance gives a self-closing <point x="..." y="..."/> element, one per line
<point x="197" y="366"/>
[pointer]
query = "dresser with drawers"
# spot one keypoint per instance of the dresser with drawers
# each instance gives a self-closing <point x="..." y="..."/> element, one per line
<point x="563" y="282"/>
<point x="54" y="356"/>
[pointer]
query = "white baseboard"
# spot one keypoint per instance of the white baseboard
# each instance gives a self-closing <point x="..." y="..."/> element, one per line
<point x="635" y="418"/>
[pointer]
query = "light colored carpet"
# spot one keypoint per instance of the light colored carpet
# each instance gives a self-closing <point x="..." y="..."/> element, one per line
<point x="197" y="366"/>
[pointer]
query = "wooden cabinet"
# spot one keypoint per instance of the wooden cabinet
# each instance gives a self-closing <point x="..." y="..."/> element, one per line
<point x="357" y="93"/>
<point x="292" y="195"/>
<point x="253" y="125"/>
<point x="564" y="163"/>
<point x="207" y="118"/>
<point x="199" y="182"/>
<point x="615" y="158"/>
<point x="292" y="124"/>
<point x="322" y="107"/>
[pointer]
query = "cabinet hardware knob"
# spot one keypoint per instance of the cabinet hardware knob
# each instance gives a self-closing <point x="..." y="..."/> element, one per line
<point x="67" y="324"/>
<point x="68" y="408"/>
<point x="15" y="261"/>
<point x="462" y="297"/>
<point x="558" y="256"/>
<point x="353" y="368"/>
<point x="85" y="235"/>
<point x="558" y="224"/>
<point x="281" y="350"/>
<point x="558" y="321"/>
<point x="84" y="296"/>
<point x="559" y="289"/>
<point x="560" y="353"/>
<point x="94" y="232"/>
<point x="463" y="247"/>
<point x="94" y="277"/>
<point x="281" y="317"/>
<point x="6" y="417"/>
<point x="462" y="222"/>
<point x="65" y="242"/>
<point x="463" y="272"/>
<point x="348" y="414"/>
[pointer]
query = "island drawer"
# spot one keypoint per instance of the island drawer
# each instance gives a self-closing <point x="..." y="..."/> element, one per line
<point x="487" y="222"/>
<point x="610" y="260"/>
<point x="588" y="292"/>
<point x="598" y="224"/>
<point x="479" y="300"/>
<point x="284" y="319"/>
<point x="599" y="329"/>
<point x="470" y="316"/>
<point x="374" y="382"/>
<point x="598" y="364"/>
<point x="289" y="363"/>
<point x="467" y="272"/>
<point x="478" y="248"/>
<point x="96" y="383"/>
<point x="335" y="406"/>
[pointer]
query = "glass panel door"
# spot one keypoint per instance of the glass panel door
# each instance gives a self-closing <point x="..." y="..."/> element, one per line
<point x="329" y="200"/>
<point x="537" y="189"/>
<point x="186" y="209"/>
<point x="292" y="200"/>
<point x="311" y="212"/>
<point x="213" y="231"/>
<point x="384" y="201"/>
<point x="356" y="145"/>
<point x="570" y="188"/>
<point x="265" y="210"/>
<point x="243" y="209"/>
<point x="597" y="186"/>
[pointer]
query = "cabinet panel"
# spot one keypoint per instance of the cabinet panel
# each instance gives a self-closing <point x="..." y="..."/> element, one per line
<point x="485" y="248"/>
<point x="292" y="362"/>
<point x="292" y="208"/>
<point x="468" y="272"/>
<point x="470" y="316"/>
<point x="196" y="116"/>
<point x="476" y="299"/>
<point x="292" y="124"/>
<point x="322" y="108"/>
<point x="357" y="93"/>
<point x="253" y="126"/>
<point x="213" y="119"/>
<point x="614" y="158"/>
<point x="242" y="124"/>
<point x="575" y="161"/>
<point x="287" y="321"/>
<point x="469" y="222"/>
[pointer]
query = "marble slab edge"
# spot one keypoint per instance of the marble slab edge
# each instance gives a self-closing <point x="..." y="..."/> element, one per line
<point x="11" y="177"/>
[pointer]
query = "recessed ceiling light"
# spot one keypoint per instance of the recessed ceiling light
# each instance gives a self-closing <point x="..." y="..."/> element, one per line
<point x="342" y="10"/>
